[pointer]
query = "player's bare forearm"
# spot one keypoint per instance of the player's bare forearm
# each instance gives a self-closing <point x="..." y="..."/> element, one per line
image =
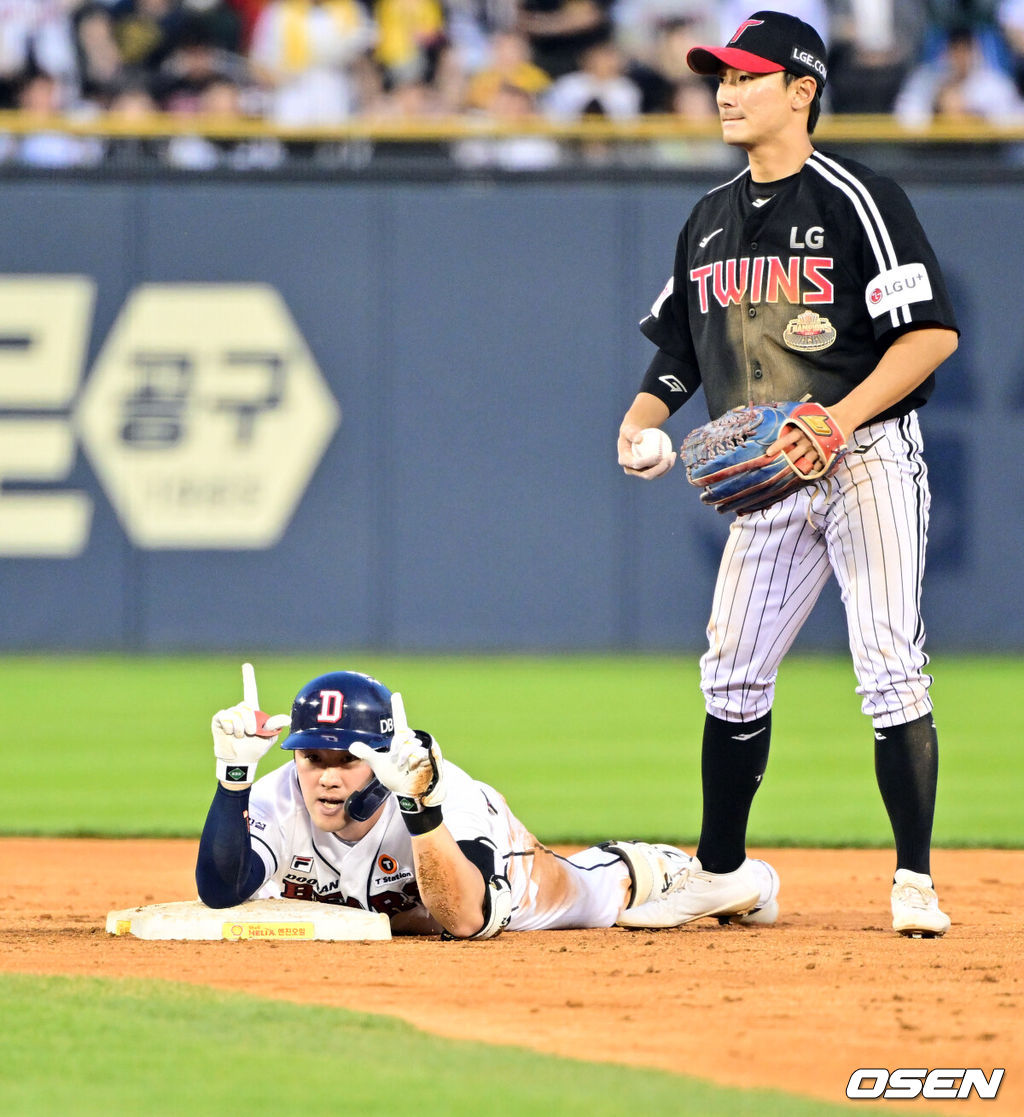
<point x="451" y="886"/>
<point x="910" y="359"/>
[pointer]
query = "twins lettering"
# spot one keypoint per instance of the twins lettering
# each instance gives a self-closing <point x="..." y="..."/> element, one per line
<point x="800" y="279"/>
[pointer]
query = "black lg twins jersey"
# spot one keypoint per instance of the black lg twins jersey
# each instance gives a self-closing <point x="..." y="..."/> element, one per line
<point x="793" y="289"/>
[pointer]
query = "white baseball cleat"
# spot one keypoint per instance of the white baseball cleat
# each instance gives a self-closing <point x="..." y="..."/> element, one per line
<point x="767" y="910"/>
<point x="652" y="868"/>
<point x="695" y="894"/>
<point x="915" y="906"/>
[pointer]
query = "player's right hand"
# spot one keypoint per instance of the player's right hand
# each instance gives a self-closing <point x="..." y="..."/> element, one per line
<point x="642" y="458"/>
<point x="243" y="734"/>
<point x="412" y="767"/>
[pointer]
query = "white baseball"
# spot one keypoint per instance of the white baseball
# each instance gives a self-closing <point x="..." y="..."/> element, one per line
<point x="652" y="448"/>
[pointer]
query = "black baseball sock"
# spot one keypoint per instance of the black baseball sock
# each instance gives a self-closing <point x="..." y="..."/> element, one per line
<point x="733" y="759"/>
<point x="906" y="767"/>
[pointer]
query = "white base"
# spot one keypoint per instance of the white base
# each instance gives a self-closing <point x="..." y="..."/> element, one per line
<point x="272" y="920"/>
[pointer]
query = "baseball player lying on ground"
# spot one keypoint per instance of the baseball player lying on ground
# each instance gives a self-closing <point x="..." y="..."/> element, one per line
<point x="370" y="815"/>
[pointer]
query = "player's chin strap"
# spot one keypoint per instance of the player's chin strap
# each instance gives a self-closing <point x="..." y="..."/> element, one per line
<point x="361" y="804"/>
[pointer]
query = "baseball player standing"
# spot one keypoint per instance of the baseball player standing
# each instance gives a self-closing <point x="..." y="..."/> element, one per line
<point x="805" y="276"/>
<point x="370" y="815"/>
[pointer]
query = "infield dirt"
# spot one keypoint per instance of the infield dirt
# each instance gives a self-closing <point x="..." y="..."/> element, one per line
<point x="797" y="1006"/>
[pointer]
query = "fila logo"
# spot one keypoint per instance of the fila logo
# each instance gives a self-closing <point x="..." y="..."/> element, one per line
<point x="303" y="864"/>
<point x="332" y="702"/>
<point x="745" y="26"/>
<point x="673" y="383"/>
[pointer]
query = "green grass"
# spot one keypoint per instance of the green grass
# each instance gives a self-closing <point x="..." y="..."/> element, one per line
<point x="99" y="1047"/>
<point x="584" y="747"/>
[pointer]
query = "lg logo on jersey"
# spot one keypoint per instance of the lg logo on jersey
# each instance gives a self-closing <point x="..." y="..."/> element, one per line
<point x="813" y="238"/>
<point x="904" y="1084"/>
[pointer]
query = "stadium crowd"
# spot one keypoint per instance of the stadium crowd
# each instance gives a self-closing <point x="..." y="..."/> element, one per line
<point x="312" y="63"/>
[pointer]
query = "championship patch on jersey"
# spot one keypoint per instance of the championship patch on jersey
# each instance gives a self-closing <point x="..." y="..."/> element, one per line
<point x="808" y="332"/>
<point x="897" y="287"/>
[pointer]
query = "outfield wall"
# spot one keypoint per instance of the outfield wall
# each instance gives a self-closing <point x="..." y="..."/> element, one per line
<point x="383" y="414"/>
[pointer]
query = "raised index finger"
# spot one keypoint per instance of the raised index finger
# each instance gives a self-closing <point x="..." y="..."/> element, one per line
<point x="249" y="694"/>
<point x="398" y="713"/>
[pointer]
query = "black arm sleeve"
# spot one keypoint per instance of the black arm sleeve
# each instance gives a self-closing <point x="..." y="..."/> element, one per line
<point x="671" y="380"/>
<point x="228" y="870"/>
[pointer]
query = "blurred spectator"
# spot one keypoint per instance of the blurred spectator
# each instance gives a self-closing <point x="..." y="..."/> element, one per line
<point x="874" y="46"/>
<point x="508" y="65"/>
<point x="1011" y="25"/>
<point x="961" y="82"/>
<point x="39" y="94"/>
<point x="220" y="19"/>
<point x="410" y="34"/>
<point x="471" y="23"/>
<point x="663" y="64"/>
<point x="560" y="31"/>
<point x="640" y="25"/>
<point x="509" y="105"/>
<point x="248" y="12"/>
<point x="731" y="13"/>
<point x="598" y="88"/>
<point x="221" y="101"/>
<point x="101" y="69"/>
<point x="450" y="79"/>
<point x="195" y="62"/>
<point x="303" y="51"/>
<point x="693" y="100"/>
<point x="35" y="35"/>
<point x="133" y="106"/>
<point x="956" y="15"/>
<point x="146" y="31"/>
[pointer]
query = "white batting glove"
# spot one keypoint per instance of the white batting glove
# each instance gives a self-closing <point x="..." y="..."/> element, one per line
<point x="243" y="734"/>
<point x="412" y="768"/>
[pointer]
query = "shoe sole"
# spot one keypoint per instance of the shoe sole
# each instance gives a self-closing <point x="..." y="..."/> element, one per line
<point x="758" y="917"/>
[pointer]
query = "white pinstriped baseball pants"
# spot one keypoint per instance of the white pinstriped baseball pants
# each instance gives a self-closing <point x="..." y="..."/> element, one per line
<point x="867" y="525"/>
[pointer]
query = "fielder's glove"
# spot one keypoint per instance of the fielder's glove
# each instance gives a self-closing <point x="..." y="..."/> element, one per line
<point x="412" y="768"/>
<point x="242" y="734"/>
<point x="728" y="458"/>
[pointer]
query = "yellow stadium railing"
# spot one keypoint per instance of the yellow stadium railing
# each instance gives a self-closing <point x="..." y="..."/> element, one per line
<point x="840" y="129"/>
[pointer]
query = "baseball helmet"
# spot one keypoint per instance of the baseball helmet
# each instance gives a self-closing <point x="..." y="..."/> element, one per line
<point x="333" y="711"/>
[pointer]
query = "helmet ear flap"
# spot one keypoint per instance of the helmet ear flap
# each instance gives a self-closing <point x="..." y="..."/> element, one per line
<point x="361" y="804"/>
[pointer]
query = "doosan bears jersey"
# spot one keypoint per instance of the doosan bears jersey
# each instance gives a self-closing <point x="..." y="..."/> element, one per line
<point x="794" y="289"/>
<point x="376" y="872"/>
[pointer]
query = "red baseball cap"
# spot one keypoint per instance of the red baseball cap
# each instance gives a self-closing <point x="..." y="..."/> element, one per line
<point x="767" y="43"/>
